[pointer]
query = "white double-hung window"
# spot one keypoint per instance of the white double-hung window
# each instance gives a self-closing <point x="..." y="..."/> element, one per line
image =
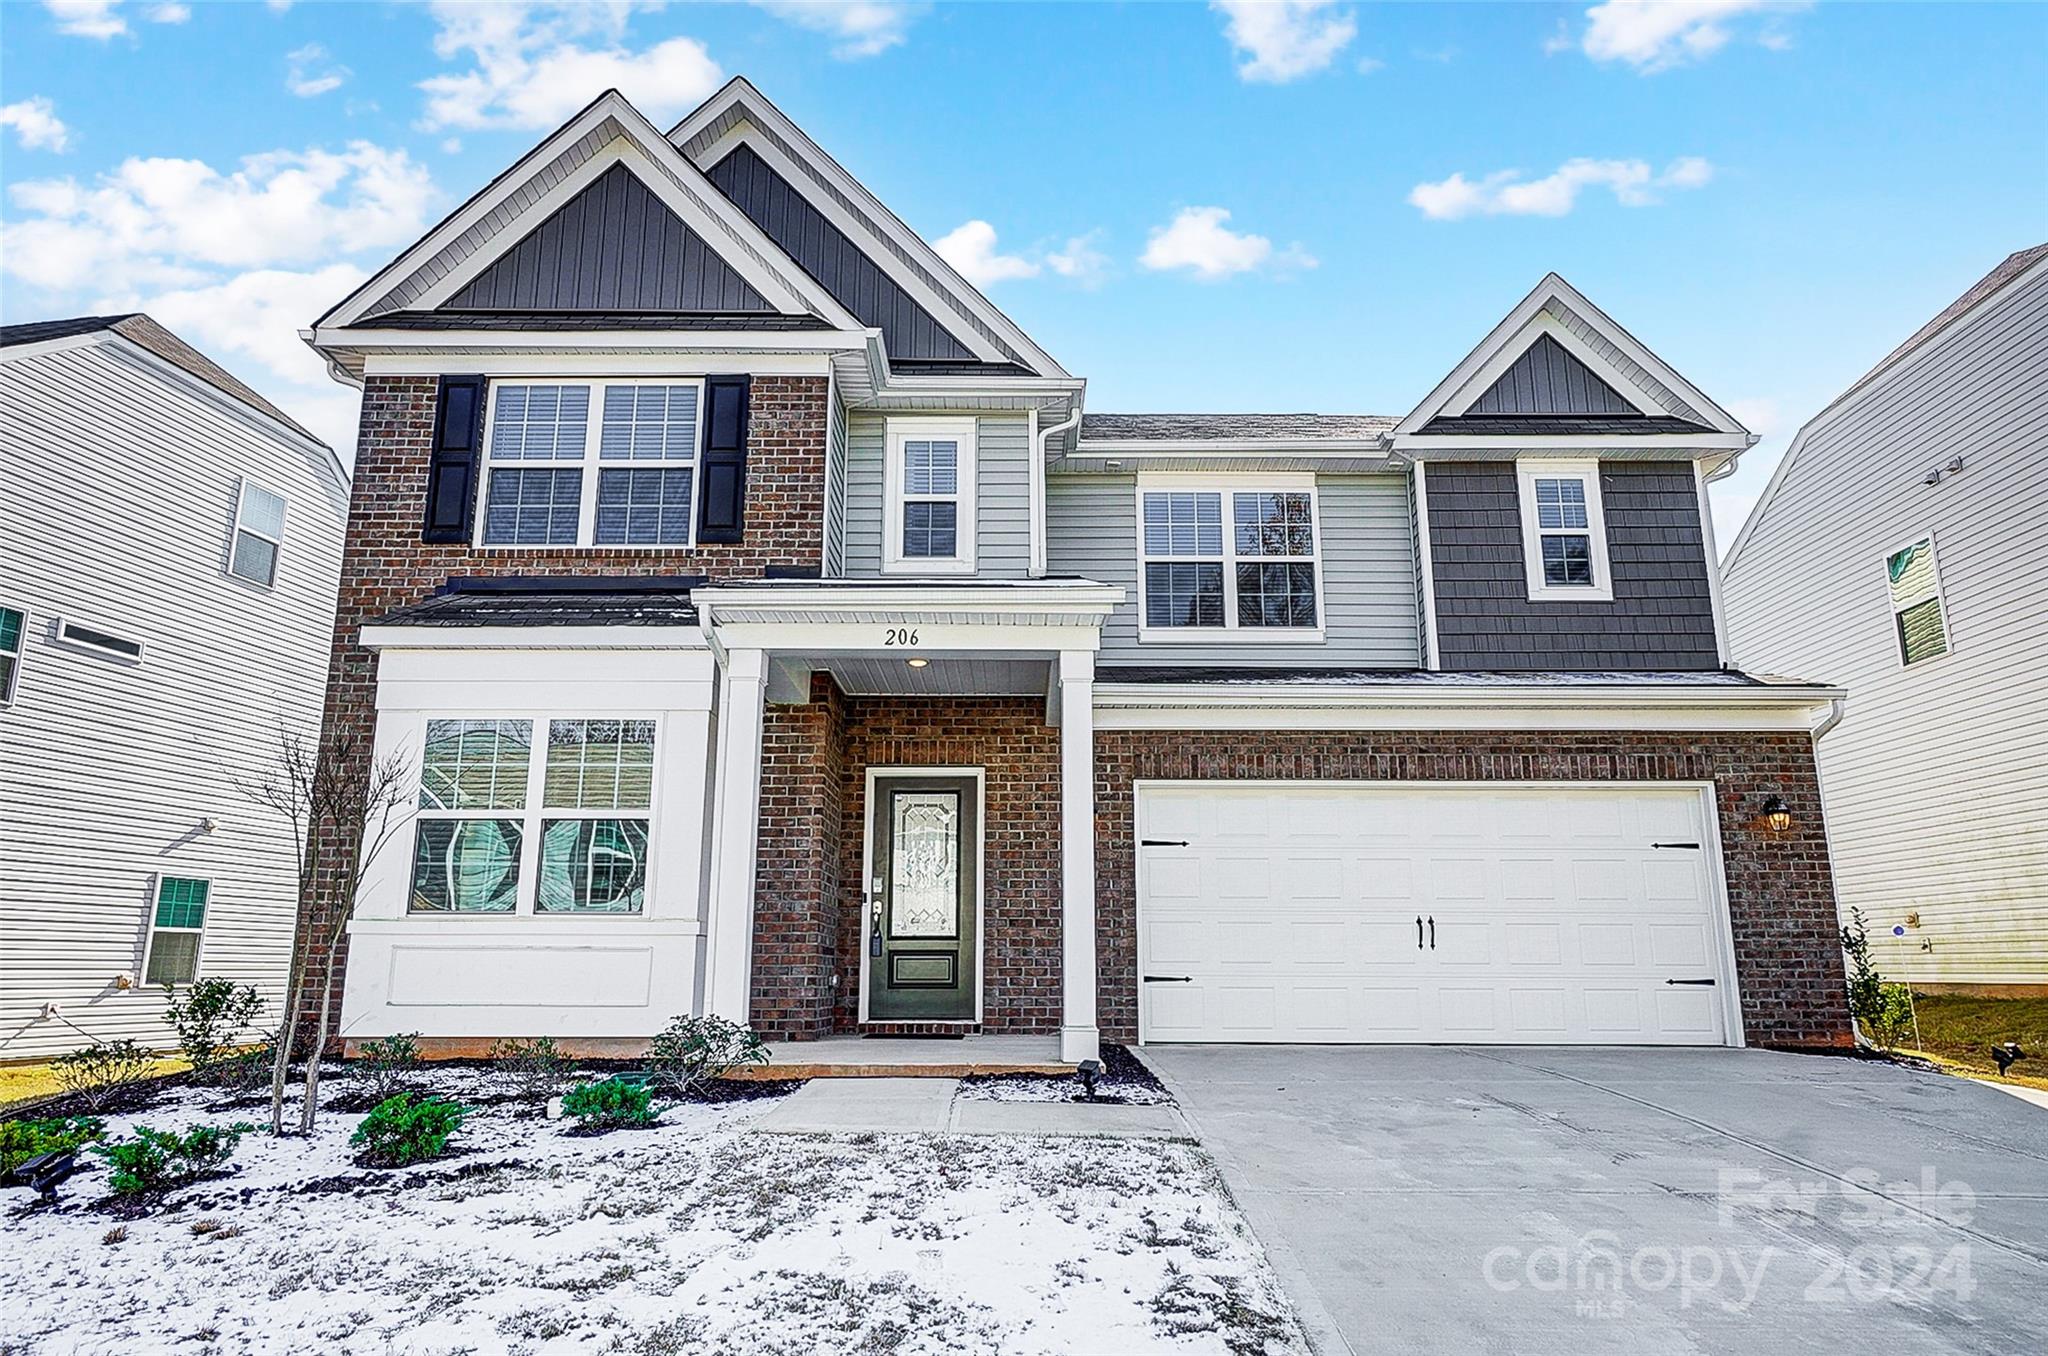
<point x="928" y="489"/>
<point x="1564" y="532"/>
<point x="259" y="534"/>
<point x="1918" y="622"/>
<point x="603" y="463"/>
<point x="1224" y="560"/>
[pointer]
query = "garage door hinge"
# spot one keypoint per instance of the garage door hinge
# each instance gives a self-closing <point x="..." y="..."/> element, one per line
<point x="1694" y="846"/>
<point x="1162" y="842"/>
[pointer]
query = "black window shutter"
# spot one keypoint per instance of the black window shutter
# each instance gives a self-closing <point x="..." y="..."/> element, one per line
<point x="451" y="473"/>
<point x="722" y="470"/>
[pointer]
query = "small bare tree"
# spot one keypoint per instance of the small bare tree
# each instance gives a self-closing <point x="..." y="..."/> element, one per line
<point x="342" y="814"/>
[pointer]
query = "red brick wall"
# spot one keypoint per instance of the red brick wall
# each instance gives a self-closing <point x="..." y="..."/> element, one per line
<point x="1780" y="892"/>
<point x="798" y="947"/>
<point x="385" y="565"/>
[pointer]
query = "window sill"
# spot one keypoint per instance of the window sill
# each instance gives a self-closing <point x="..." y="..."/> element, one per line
<point x="1571" y="595"/>
<point x="1229" y="635"/>
<point x="914" y="568"/>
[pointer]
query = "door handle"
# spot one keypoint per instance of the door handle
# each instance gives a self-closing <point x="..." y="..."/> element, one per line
<point x="1169" y="979"/>
<point x="1688" y="981"/>
<point x="1432" y="932"/>
<point x="1418" y="932"/>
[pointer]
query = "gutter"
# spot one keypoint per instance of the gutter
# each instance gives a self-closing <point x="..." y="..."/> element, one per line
<point x="1041" y="439"/>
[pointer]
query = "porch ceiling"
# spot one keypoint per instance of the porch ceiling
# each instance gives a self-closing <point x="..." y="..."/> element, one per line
<point x="859" y="676"/>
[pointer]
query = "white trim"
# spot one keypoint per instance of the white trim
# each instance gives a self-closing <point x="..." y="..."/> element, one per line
<point x="1712" y="860"/>
<point x="963" y="432"/>
<point x="242" y="486"/>
<point x="17" y="654"/>
<point x="867" y="879"/>
<point x="735" y="793"/>
<point x="480" y="636"/>
<point x="1706" y="507"/>
<point x="156" y="885"/>
<point x="1498" y="447"/>
<point x="1948" y="640"/>
<point x="1587" y="472"/>
<point x="1228" y="486"/>
<point x="1432" y="648"/>
<point x="777" y="351"/>
<point x="1080" y="1033"/>
<point x="1542" y="323"/>
<point x="59" y="626"/>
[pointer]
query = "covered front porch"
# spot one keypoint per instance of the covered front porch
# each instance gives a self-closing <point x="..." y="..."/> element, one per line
<point x="903" y="823"/>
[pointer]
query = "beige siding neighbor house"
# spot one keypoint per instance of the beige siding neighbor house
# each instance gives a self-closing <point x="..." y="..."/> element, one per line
<point x="1902" y="549"/>
<point x="167" y="577"/>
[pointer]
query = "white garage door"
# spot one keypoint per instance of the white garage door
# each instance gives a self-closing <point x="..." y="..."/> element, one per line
<point x="1319" y="912"/>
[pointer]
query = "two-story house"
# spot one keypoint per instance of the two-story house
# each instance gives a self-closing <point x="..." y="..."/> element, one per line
<point x="168" y="557"/>
<point x="773" y="635"/>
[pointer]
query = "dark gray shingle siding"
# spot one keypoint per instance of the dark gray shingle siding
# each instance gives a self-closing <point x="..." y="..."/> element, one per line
<point x="1662" y="616"/>
<point x="613" y="247"/>
<point x="855" y="281"/>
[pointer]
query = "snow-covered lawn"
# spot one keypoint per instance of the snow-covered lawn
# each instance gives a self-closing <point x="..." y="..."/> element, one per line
<point x="697" y="1236"/>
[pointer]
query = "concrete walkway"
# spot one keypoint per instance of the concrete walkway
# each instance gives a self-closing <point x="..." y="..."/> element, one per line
<point x="1581" y="1202"/>
<point x="838" y="1106"/>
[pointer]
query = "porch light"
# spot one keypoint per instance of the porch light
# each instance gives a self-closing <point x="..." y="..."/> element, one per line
<point x="917" y="663"/>
<point x="1777" y="814"/>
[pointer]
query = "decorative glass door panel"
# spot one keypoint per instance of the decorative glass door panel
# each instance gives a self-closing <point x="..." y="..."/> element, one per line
<point x="923" y="955"/>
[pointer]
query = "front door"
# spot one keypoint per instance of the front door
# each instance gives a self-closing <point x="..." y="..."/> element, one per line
<point x="924" y="879"/>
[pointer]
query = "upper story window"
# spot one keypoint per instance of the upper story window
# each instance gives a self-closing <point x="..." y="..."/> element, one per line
<point x="503" y="831"/>
<point x="1917" y="618"/>
<point x="1564" y="533"/>
<point x="259" y="535"/>
<point x="13" y="623"/>
<point x="928" y="483"/>
<point x="609" y="463"/>
<point x="1259" y="577"/>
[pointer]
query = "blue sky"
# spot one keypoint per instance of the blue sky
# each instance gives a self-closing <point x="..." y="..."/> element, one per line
<point x="1263" y="207"/>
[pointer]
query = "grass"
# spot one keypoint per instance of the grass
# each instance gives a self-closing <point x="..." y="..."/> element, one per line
<point x="1959" y="1031"/>
<point x="20" y="1083"/>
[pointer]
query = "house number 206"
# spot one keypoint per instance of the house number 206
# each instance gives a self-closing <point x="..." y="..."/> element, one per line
<point x="900" y="635"/>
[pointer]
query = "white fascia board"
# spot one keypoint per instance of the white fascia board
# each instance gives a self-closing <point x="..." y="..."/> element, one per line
<point x="872" y="638"/>
<point x="594" y="362"/>
<point x="1705" y="446"/>
<point x="447" y="637"/>
<point x="583" y="341"/>
<point x="1169" y="706"/>
<point x="758" y="108"/>
<point x="1079" y="599"/>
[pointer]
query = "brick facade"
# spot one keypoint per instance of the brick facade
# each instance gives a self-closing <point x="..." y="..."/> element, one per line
<point x="801" y="943"/>
<point x="1780" y="890"/>
<point x="385" y="565"/>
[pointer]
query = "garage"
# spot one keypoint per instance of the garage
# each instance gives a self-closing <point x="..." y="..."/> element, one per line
<point x="1458" y="913"/>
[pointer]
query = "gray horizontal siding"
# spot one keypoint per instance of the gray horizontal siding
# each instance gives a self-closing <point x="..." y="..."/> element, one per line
<point x="1662" y="616"/>
<point x="1369" y="573"/>
<point x="1002" y="490"/>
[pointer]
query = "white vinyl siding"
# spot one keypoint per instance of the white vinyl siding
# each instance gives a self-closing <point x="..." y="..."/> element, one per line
<point x="146" y="754"/>
<point x="1002" y="517"/>
<point x="1934" y="784"/>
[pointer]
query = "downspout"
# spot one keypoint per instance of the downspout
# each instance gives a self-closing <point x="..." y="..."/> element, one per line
<point x="1036" y="569"/>
<point x="1837" y="708"/>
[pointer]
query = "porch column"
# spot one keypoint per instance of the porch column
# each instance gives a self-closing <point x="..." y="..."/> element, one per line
<point x="1079" y="1038"/>
<point x="736" y="780"/>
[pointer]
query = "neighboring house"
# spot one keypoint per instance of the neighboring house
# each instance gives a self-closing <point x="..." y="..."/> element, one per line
<point x="167" y="573"/>
<point x="773" y="636"/>
<point x="1902" y="549"/>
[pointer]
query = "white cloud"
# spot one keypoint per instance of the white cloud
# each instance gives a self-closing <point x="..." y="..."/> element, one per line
<point x="35" y="122"/>
<point x="169" y="13"/>
<point x="164" y="222"/>
<point x="1079" y="261"/>
<point x="88" y="18"/>
<point x="864" y="28"/>
<point x="1508" y="193"/>
<point x="1655" y="35"/>
<point x="531" y="67"/>
<point x="1284" y="40"/>
<point x="971" y="249"/>
<point x="310" y="72"/>
<point x="1197" y="241"/>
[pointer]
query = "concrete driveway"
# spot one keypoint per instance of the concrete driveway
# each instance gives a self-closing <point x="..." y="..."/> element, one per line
<point x="1669" y="1201"/>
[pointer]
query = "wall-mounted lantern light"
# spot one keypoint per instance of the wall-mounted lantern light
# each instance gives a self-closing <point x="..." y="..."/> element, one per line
<point x="1777" y="814"/>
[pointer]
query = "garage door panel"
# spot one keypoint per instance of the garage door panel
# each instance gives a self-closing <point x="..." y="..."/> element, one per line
<point x="1292" y="912"/>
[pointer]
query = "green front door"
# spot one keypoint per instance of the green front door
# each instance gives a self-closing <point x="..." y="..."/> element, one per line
<point x="924" y="881"/>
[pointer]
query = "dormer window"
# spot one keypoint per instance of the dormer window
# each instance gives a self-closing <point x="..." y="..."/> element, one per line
<point x="929" y="484"/>
<point x="1564" y="534"/>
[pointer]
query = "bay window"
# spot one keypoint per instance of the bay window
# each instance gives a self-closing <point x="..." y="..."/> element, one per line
<point x="606" y="463"/>
<point x="1261" y="578"/>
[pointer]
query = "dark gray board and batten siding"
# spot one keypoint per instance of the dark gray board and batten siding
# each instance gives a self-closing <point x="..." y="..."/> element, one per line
<point x="1662" y="616"/>
<point x="838" y="265"/>
<point x="1547" y="379"/>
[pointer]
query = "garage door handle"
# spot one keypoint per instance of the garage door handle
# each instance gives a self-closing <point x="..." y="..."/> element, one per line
<point x="1418" y="932"/>
<point x="1694" y="846"/>
<point x="1688" y="981"/>
<point x="1169" y="979"/>
<point x="1162" y="842"/>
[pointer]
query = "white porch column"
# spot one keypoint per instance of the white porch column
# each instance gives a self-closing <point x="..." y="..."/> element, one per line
<point x="736" y="818"/>
<point x="1079" y="1038"/>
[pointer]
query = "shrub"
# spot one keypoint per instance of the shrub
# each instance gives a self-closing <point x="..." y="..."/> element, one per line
<point x="22" y="1140"/>
<point x="157" y="1160"/>
<point x="533" y="1069"/>
<point x="1894" y="1016"/>
<point x="399" y="1131"/>
<point x="385" y="1065"/>
<point x="1884" y="1010"/>
<point x="209" y="1020"/>
<point x="692" y="1051"/>
<point x="97" y="1074"/>
<point x="610" y="1105"/>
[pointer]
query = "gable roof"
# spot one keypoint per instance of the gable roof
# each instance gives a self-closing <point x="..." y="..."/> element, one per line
<point x="2015" y="266"/>
<point x="740" y="113"/>
<point x="139" y="329"/>
<point x="1557" y="366"/>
